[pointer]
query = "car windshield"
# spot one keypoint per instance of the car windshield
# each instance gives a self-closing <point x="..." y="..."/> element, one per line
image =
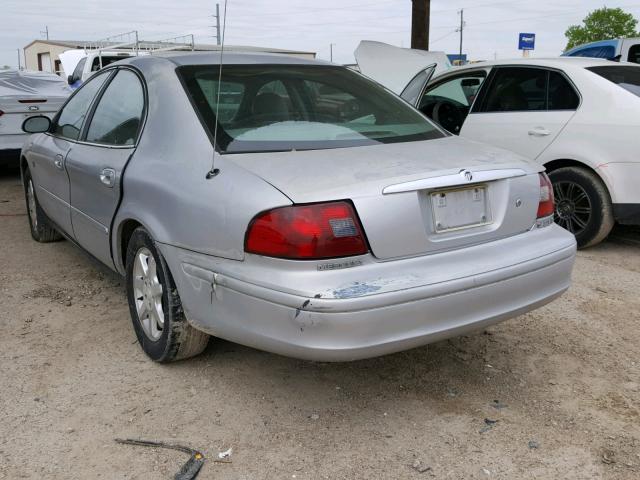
<point x="289" y="107"/>
<point x="625" y="76"/>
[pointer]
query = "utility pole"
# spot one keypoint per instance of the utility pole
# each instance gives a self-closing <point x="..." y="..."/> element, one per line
<point x="420" y="13"/>
<point x="331" y="52"/>
<point x="19" y="63"/>
<point x="461" y="29"/>
<point x="218" y="23"/>
<point x="45" y="32"/>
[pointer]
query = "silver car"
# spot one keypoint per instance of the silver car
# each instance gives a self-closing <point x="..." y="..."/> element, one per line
<point x="332" y="221"/>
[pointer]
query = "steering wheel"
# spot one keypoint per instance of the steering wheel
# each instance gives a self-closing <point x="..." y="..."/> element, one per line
<point x="448" y="116"/>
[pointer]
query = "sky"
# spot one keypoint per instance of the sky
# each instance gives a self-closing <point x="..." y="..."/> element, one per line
<point x="491" y="30"/>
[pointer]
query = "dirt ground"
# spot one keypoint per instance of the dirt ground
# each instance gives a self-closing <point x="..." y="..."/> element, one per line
<point x="551" y="394"/>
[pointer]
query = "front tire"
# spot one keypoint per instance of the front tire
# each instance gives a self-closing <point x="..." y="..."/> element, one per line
<point x="582" y="204"/>
<point x="39" y="224"/>
<point x="154" y="303"/>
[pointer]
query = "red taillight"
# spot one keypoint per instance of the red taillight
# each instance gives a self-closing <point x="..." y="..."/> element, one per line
<point x="307" y="232"/>
<point x="545" y="207"/>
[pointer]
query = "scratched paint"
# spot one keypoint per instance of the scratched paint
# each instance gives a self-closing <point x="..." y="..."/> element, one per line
<point x="379" y="285"/>
<point x="356" y="289"/>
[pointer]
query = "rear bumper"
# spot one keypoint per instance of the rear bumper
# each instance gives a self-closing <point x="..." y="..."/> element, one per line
<point x="627" y="213"/>
<point x="379" y="316"/>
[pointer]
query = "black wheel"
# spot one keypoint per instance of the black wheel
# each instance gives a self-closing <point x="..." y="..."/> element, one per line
<point x="154" y="303"/>
<point x="41" y="228"/>
<point x="582" y="205"/>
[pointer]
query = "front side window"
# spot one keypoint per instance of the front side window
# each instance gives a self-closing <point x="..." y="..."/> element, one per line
<point x="448" y="103"/>
<point x="627" y="77"/>
<point x="287" y="107"/>
<point x="77" y="72"/>
<point x="413" y="89"/>
<point x="72" y="115"/>
<point x="117" y="117"/>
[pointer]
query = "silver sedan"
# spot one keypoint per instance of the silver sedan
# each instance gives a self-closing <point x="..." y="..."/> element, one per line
<point x="290" y="205"/>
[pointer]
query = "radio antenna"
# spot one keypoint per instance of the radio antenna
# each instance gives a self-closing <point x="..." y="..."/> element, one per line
<point x="215" y="171"/>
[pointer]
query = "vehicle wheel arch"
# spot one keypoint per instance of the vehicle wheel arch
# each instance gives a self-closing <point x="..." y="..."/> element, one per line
<point x="552" y="165"/>
<point x="124" y="232"/>
<point x="24" y="165"/>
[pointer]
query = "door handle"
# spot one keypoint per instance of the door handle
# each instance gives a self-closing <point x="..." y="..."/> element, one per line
<point x="539" y="132"/>
<point x="108" y="177"/>
<point x="57" y="161"/>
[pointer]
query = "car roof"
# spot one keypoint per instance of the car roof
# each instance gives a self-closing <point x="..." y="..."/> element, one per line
<point x="554" y="62"/>
<point x="229" y="58"/>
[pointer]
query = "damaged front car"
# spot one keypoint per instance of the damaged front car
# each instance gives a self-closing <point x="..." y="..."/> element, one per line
<point x="335" y="223"/>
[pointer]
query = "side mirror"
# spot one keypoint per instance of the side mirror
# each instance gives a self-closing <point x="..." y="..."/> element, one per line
<point x="70" y="80"/>
<point x="37" y="124"/>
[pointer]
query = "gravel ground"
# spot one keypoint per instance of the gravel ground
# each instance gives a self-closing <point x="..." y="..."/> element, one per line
<point x="551" y="394"/>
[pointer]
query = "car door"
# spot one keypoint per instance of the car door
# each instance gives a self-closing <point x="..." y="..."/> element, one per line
<point x="48" y="153"/>
<point x="522" y="109"/>
<point x="95" y="164"/>
<point x="446" y="101"/>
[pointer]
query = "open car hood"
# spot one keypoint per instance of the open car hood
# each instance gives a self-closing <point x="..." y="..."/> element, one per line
<point x="394" y="67"/>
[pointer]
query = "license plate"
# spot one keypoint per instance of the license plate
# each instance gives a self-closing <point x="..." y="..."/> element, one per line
<point x="460" y="208"/>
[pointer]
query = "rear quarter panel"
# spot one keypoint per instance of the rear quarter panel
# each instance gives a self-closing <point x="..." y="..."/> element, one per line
<point x="165" y="187"/>
<point x="603" y="131"/>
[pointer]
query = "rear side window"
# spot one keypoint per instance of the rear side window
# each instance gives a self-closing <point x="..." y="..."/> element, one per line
<point x="117" y="117"/>
<point x="562" y="95"/>
<point x="520" y="89"/>
<point x="605" y="51"/>
<point x="72" y="115"/>
<point x="634" y="54"/>
<point x="627" y="77"/>
<point x="516" y="89"/>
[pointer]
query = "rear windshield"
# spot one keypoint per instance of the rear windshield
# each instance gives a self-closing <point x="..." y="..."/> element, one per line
<point x="625" y="76"/>
<point x="284" y="107"/>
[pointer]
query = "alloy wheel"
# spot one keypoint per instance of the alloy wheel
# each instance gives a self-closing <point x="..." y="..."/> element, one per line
<point x="147" y="291"/>
<point x="573" y="208"/>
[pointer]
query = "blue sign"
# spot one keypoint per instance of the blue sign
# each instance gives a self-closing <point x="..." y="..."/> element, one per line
<point x="527" y="41"/>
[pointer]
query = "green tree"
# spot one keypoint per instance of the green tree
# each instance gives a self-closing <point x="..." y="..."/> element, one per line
<point x="602" y="24"/>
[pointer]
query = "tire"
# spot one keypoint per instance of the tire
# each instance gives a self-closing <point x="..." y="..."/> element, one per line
<point x="154" y="303"/>
<point x="583" y="204"/>
<point x="39" y="224"/>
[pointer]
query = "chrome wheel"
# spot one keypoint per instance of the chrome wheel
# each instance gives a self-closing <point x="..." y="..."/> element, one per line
<point x="147" y="291"/>
<point x="31" y="204"/>
<point x="573" y="206"/>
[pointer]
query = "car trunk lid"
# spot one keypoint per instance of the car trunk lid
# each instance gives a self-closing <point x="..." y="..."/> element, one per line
<point x="413" y="198"/>
<point x="16" y="109"/>
<point x="394" y="67"/>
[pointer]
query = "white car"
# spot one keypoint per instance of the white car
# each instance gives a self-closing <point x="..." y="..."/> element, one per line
<point x="579" y="117"/>
<point x="84" y="64"/>
<point x="24" y="94"/>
